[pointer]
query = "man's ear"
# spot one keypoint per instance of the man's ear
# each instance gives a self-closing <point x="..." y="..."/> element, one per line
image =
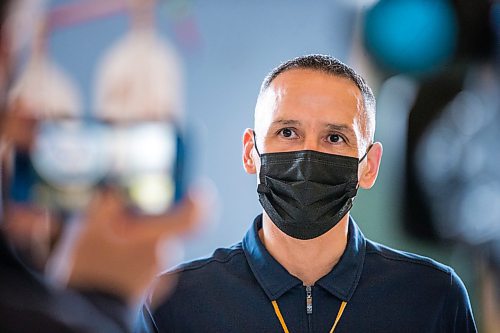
<point x="370" y="166"/>
<point x="248" y="157"/>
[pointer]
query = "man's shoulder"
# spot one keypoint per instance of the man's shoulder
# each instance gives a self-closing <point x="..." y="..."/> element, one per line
<point x="382" y="254"/>
<point x="208" y="278"/>
<point x="220" y="258"/>
<point x="412" y="272"/>
<point x="418" y="278"/>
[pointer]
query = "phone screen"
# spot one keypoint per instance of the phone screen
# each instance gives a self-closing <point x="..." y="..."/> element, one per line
<point x="70" y="160"/>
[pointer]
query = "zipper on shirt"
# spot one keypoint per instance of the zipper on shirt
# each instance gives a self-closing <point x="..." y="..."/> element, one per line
<point x="309" y="300"/>
<point x="309" y="307"/>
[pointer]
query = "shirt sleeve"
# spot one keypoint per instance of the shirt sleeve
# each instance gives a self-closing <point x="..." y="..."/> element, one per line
<point x="111" y="308"/>
<point x="457" y="312"/>
<point x="29" y="304"/>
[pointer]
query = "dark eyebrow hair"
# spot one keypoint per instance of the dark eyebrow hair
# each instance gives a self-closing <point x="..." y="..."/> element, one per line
<point x="285" y="122"/>
<point x="331" y="127"/>
<point x="340" y="128"/>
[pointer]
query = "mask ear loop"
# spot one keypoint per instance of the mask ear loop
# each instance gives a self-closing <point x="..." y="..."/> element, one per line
<point x="255" y="143"/>
<point x="261" y="187"/>
<point x="361" y="160"/>
<point x="366" y="154"/>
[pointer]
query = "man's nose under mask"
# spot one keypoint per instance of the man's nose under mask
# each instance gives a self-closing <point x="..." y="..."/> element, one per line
<point x="306" y="193"/>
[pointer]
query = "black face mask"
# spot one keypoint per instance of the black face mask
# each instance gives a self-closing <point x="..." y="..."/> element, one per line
<point x="306" y="193"/>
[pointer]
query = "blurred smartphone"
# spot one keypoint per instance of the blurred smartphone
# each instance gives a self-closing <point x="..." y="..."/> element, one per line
<point x="72" y="159"/>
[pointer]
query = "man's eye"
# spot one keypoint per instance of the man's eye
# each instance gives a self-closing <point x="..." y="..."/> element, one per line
<point x="334" y="138"/>
<point x="286" y="132"/>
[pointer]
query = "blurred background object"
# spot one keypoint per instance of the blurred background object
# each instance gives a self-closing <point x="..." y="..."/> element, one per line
<point x="86" y="196"/>
<point x="434" y="65"/>
<point x="130" y="138"/>
<point x="411" y="36"/>
<point x="140" y="59"/>
<point x="449" y="51"/>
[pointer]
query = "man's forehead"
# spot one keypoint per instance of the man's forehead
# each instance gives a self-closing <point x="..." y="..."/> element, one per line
<point x="312" y="99"/>
<point x="305" y="76"/>
<point x="305" y="87"/>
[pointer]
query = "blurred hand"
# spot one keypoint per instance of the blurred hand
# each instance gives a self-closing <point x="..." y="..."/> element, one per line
<point x="117" y="252"/>
<point x="32" y="231"/>
<point x="17" y="127"/>
<point x="108" y="249"/>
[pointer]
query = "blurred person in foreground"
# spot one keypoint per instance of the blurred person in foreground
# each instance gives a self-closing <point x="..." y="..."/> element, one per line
<point x="109" y="261"/>
<point x="304" y="265"/>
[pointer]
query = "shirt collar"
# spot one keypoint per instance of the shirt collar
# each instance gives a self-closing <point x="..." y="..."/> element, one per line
<point x="275" y="280"/>
<point x="344" y="277"/>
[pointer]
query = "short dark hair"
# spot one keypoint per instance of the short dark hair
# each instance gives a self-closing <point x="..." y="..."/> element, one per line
<point x="330" y="65"/>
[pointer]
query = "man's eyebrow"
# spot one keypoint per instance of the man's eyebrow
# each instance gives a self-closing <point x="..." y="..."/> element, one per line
<point x="341" y="128"/>
<point x="285" y="122"/>
<point x="330" y="127"/>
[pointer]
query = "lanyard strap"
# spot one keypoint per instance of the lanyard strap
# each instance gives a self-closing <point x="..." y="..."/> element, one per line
<point x="282" y="320"/>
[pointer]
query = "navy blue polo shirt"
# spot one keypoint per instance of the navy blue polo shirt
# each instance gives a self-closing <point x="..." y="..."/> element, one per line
<point x="385" y="290"/>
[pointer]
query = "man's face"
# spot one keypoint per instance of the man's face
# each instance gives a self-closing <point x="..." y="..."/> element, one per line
<point x="310" y="110"/>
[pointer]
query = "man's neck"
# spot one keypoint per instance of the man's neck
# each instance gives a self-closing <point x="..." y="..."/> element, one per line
<point x="308" y="260"/>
